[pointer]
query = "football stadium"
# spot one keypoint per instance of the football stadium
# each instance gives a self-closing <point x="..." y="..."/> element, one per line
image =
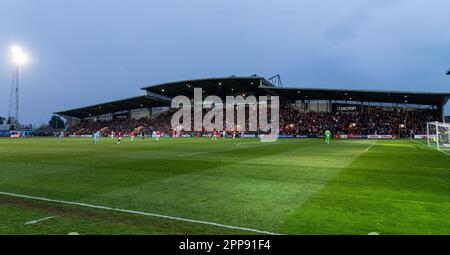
<point x="121" y="167"/>
<point x="224" y="127"/>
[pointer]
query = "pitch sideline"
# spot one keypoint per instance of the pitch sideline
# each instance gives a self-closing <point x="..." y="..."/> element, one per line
<point x="139" y="213"/>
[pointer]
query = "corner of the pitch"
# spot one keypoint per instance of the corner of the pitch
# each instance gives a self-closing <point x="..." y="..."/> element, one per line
<point x="268" y="138"/>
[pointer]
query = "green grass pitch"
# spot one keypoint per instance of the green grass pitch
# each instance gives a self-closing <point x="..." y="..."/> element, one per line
<point x="293" y="186"/>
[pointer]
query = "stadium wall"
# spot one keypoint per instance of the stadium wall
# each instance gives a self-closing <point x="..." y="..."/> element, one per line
<point x="105" y="117"/>
<point x="140" y="113"/>
<point x="4" y="133"/>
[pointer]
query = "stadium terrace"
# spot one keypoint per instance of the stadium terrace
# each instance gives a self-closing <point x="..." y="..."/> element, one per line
<point x="303" y="111"/>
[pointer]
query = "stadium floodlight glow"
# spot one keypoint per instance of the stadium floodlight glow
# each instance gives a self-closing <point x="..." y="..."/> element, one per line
<point x="19" y="58"/>
<point x="18" y="55"/>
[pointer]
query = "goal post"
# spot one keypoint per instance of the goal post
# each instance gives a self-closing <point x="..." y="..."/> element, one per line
<point x="438" y="135"/>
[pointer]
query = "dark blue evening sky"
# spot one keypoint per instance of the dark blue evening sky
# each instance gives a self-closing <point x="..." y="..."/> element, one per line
<point x="84" y="52"/>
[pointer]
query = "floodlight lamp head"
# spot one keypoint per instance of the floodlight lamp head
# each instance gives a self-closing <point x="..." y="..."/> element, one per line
<point x="18" y="56"/>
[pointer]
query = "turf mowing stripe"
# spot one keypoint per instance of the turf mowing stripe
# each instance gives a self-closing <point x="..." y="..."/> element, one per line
<point x="139" y="213"/>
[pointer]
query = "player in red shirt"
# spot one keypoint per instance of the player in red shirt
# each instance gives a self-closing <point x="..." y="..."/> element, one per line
<point x="214" y="134"/>
<point x="119" y="137"/>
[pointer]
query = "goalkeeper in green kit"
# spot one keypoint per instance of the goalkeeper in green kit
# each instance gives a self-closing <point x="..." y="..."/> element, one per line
<point x="327" y="136"/>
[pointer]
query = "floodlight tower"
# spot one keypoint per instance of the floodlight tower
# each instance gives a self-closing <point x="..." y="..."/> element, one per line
<point x="18" y="58"/>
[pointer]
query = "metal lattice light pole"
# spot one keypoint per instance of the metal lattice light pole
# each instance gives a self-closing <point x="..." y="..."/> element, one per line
<point x="18" y="58"/>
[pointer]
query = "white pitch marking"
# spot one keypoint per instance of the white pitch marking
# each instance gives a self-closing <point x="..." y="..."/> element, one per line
<point x="437" y="150"/>
<point x="139" y="213"/>
<point x="39" y="220"/>
<point x="368" y="148"/>
<point x="444" y="152"/>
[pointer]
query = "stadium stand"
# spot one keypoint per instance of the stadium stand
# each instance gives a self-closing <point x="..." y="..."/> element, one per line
<point x="304" y="111"/>
<point x="292" y="122"/>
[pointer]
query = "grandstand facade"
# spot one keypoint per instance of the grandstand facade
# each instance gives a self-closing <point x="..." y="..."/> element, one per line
<point x="304" y="111"/>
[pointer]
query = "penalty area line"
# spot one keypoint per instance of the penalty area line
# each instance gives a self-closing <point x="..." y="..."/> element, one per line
<point x="156" y="215"/>
<point x="444" y="152"/>
<point x="368" y="148"/>
<point x="428" y="147"/>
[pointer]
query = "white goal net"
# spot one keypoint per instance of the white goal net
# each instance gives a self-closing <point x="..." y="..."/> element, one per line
<point x="438" y="135"/>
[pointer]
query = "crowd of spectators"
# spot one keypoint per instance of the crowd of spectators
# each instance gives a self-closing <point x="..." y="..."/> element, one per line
<point x="292" y="122"/>
<point x="374" y="121"/>
<point x="124" y="125"/>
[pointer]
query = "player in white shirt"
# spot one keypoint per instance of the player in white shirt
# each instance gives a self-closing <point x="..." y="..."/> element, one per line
<point x="95" y="137"/>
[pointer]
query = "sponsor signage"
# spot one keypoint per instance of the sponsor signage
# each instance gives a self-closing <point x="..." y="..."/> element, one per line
<point x="380" y="137"/>
<point x="346" y="108"/>
<point x="286" y="136"/>
<point x="4" y="133"/>
<point x="349" y="136"/>
<point x="357" y="136"/>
